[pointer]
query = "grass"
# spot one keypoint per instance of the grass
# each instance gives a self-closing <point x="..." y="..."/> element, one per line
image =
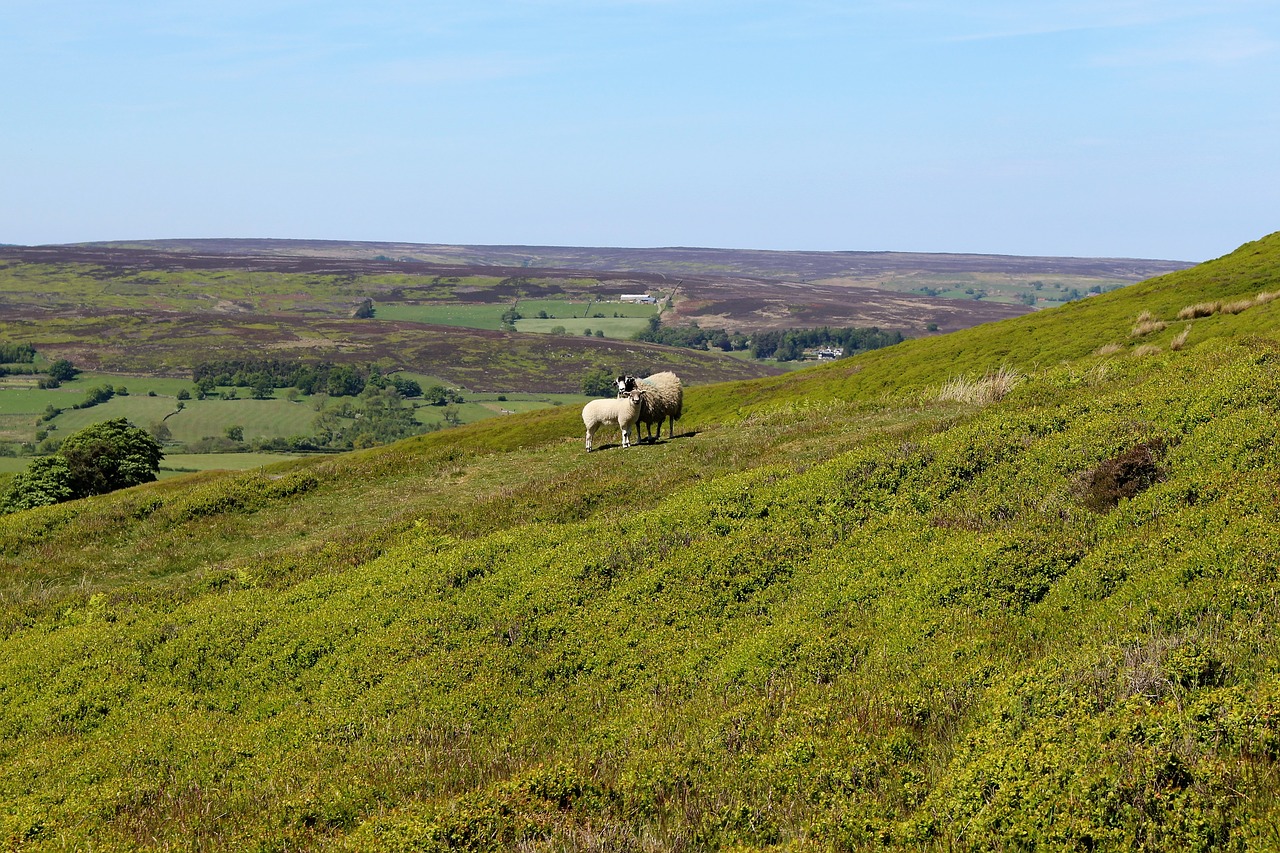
<point x="616" y="328"/>
<point x="260" y="419"/>
<point x="837" y="611"/>
<point x="177" y="464"/>
<point x="572" y="314"/>
<point x="1048" y="291"/>
<point x="989" y="388"/>
<point x="452" y="314"/>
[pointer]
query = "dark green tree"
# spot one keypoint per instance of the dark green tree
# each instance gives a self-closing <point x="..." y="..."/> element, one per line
<point x="110" y="455"/>
<point x="599" y="383"/>
<point x="46" y="481"/>
<point x="62" y="370"/>
<point x="407" y="387"/>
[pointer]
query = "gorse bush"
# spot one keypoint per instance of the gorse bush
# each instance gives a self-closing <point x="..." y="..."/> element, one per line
<point x="836" y="614"/>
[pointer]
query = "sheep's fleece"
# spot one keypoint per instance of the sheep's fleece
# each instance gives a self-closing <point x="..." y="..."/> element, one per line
<point x="663" y="399"/>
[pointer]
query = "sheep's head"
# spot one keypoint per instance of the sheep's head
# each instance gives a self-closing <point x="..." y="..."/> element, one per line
<point x="626" y="384"/>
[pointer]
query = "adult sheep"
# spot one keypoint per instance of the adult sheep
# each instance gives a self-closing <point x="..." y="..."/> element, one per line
<point x="621" y="412"/>
<point x="663" y="400"/>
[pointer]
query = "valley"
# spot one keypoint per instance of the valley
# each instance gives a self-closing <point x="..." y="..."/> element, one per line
<point x="508" y="328"/>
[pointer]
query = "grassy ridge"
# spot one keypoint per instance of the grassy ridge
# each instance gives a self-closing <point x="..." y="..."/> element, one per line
<point x="839" y="611"/>
<point x="1042" y="339"/>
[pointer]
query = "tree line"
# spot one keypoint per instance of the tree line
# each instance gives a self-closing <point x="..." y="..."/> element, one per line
<point x="20" y="360"/>
<point x="780" y="344"/>
<point x="264" y="375"/>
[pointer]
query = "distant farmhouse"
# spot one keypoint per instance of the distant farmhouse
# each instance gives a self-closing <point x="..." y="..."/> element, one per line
<point x="825" y="353"/>
<point x="642" y="298"/>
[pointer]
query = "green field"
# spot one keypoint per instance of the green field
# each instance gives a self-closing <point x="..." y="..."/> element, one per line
<point x="615" y="328"/>
<point x="177" y="464"/>
<point x="560" y="313"/>
<point x="448" y="314"/>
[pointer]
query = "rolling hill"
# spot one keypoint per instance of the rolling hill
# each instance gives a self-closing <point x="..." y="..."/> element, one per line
<point x="1012" y="587"/>
<point x="742" y="290"/>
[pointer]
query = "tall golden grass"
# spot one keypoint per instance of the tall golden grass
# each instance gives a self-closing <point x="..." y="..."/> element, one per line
<point x="989" y="388"/>
<point x="1235" y="306"/>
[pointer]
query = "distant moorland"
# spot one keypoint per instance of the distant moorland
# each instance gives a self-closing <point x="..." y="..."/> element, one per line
<point x="502" y="329"/>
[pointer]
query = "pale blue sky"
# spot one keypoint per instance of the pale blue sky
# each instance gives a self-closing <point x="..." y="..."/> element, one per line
<point x="1137" y="128"/>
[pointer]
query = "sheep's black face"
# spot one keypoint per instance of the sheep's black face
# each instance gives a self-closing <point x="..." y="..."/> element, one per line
<point x="626" y="384"/>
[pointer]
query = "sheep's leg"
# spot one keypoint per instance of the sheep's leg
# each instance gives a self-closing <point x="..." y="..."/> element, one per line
<point x="626" y="434"/>
<point x="589" y="432"/>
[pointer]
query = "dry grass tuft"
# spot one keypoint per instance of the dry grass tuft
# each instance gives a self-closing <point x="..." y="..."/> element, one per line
<point x="1146" y="327"/>
<point x="1200" y="309"/>
<point x="988" y="389"/>
<point x="1181" y="340"/>
<point x="1207" y="309"/>
<point x="1108" y="349"/>
<point x="1146" y="350"/>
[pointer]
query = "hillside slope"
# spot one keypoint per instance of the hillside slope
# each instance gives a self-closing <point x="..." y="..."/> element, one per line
<point x="844" y="609"/>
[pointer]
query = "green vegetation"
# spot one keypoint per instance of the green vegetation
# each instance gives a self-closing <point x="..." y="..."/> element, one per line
<point x="102" y="458"/>
<point x="1036" y="290"/>
<point x="32" y="419"/>
<point x="986" y="590"/>
<point x="778" y="344"/>
<point x="451" y="314"/>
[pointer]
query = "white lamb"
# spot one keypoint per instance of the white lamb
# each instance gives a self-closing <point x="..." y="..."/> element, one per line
<point x="621" y="412"/>
<point x="663" y="400"/>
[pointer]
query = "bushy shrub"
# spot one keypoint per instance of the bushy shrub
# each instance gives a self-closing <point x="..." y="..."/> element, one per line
<point x="46" y="481"/>
<point x="98" y="459"/>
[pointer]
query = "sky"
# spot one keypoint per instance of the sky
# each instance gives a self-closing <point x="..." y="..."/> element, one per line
<point x="1124" y="128"/>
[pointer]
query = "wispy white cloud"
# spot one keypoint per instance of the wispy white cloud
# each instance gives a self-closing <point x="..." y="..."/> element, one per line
<point x="1225" y="47"/>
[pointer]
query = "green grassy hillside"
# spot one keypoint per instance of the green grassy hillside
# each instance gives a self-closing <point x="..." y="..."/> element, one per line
<point x="885" y="602"/>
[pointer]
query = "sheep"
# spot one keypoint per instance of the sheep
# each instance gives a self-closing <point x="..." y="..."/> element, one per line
<point x="622" y="412"/>
<point x="665" y="399"/>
